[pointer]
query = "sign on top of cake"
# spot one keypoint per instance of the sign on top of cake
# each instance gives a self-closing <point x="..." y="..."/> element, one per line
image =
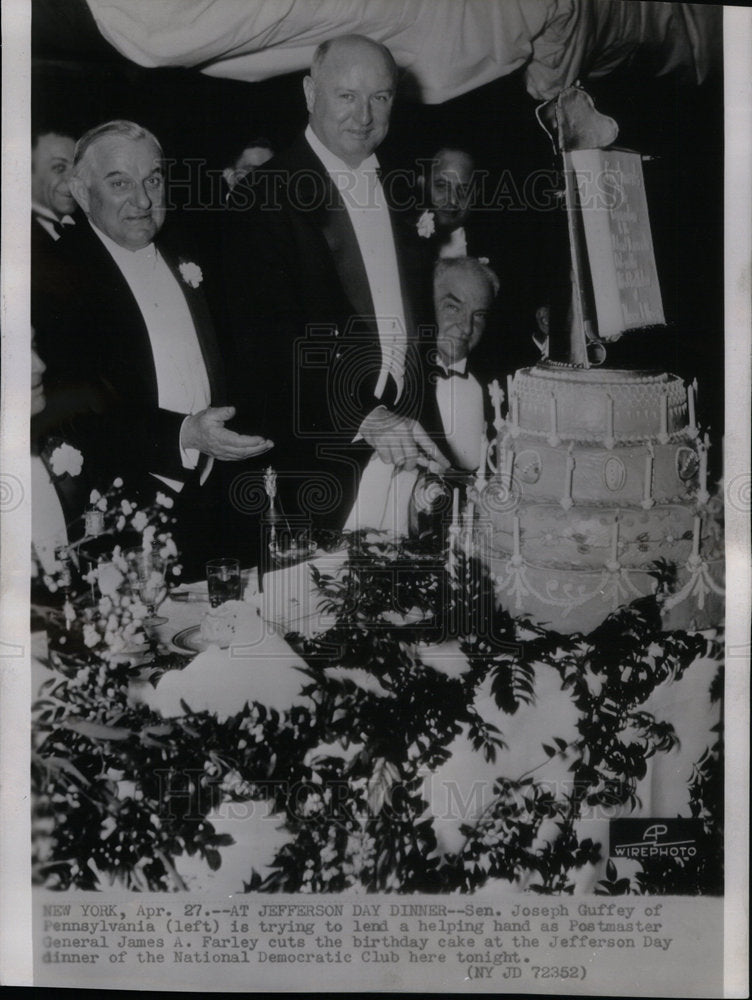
<point x="619" y="243"/>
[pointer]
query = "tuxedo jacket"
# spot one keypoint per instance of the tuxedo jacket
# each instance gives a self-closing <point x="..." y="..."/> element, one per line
<point x="100" y="367"/>
<point x="300" y="308"/>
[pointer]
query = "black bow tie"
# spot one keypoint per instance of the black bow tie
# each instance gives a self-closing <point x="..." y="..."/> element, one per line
<point x="442" y="373"/>
<point x="57" y="225"/>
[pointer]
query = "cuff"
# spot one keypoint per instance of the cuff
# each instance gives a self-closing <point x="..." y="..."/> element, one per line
<point x="188" y="456"/>
<point x="359" y="435"/>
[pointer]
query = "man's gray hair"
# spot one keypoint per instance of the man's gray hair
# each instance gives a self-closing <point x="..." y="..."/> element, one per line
<point x="467" y="264"/>
<point x="321" y="50"/>
<point x="119" y="126"/>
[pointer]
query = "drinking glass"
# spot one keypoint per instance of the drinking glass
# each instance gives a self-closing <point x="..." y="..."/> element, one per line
<point x="223" y="581"/>
<point x="152" y="586"/>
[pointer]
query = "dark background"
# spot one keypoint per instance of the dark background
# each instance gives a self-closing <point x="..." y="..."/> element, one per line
<point x="79" y="80"/>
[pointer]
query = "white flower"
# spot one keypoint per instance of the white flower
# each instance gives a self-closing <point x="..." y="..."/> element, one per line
<point x="169" y="549"/>
<point x="140" y="521"/>
<point x="127" y="507"/>
<point x="483" y="260"/>
<point x="109" y="578"/>
<point x="165" y="501"/>
<point x="66" y="459"/>
<point x="191" y="274"/>
<point x="426" y="225"/>
<point x="126" y="789"/>
<point x="91" y="636"/>
<point x="94" y="496"/>
<point x="117" y="483"/>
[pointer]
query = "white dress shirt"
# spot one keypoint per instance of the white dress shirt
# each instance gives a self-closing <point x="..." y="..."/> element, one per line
<point x="367" y="209"/>
<point x="182" y="380"/>
<point x="460" y="403"/>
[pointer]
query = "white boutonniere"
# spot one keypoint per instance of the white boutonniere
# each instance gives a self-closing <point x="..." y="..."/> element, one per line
<point x="66" y="459"/>
<point x="426" y="226"/>
<point x="484" y="260"/>
<point x="191" y="274"/>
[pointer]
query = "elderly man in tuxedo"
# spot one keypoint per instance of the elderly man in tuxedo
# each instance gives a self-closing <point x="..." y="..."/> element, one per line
<point x="326" y="289"/>
<point x="128" y="341"/>
<point x="464" y="292"/>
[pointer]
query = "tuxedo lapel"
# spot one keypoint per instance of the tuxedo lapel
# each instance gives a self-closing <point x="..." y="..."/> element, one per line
<point x="122" y="337"/>
<point x="348" y="261"/>
<point x="314" y="187"/>
<point x="72" y="493"/>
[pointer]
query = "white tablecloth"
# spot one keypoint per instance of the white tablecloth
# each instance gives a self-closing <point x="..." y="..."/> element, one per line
<point x="262" y="667"/>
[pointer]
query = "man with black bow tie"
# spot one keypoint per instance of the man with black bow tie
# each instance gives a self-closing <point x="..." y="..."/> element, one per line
<point x="325" y="282"/>
<point x="52" y="204"/>
<point x="464" y="290"/>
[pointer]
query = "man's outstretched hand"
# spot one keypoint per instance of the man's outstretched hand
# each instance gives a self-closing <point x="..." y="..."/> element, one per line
<point x="206" y="432"/>
<point x="400" y="441"/>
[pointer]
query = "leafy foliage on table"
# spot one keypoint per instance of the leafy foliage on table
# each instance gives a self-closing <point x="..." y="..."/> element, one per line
<point x="122" y="793"/>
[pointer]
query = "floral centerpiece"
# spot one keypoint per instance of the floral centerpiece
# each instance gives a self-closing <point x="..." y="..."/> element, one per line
<point x="123" y="794"/>
<point x="100" y="578"/>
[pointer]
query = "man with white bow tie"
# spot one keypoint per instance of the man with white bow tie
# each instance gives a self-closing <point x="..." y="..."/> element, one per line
<point x="464" y="290"/>
<point x="327" y="291"/>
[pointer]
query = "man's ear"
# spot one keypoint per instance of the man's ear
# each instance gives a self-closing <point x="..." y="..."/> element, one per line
<point x="309" y="89"/>
<point x="80" y="192"/>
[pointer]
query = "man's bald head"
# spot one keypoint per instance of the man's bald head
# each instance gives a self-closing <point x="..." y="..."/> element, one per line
<point x="352" y="47"/>
<point x="349" y="95"/>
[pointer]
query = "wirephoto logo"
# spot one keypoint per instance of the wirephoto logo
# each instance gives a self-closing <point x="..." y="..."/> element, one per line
<point x="653" y="839"/>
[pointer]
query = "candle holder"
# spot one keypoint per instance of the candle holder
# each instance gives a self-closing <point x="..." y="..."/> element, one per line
<point x="567" y="501"/>
<point x="609" y="440"/>
<point x="647" y="489"/>
<point x="553" y="437"/>
<point x="663" y="435"/>
<point x="702" y="492"/>
<point x="282" y="545"/>
<point x="497" y="398"/>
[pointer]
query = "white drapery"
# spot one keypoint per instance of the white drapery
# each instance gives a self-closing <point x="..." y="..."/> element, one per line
<point x="449" y="46"/>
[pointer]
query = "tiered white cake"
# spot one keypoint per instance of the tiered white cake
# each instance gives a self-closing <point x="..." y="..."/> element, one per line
<point x="598" y="474"/>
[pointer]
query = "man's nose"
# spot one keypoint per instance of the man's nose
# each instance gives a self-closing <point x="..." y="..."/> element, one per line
<point x="465" y="323"/>
<point x="141" y="197"/>
<point x="363" y="112"/>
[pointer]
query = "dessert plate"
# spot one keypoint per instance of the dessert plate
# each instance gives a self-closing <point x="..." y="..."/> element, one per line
<point x="190" y="640"/>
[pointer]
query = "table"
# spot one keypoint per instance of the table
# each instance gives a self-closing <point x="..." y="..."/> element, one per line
<point x="395" y="750"/>
<point x="458" y="791"/>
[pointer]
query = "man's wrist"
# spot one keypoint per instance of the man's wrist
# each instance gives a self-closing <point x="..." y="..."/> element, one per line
<point x="364" y="422"/>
